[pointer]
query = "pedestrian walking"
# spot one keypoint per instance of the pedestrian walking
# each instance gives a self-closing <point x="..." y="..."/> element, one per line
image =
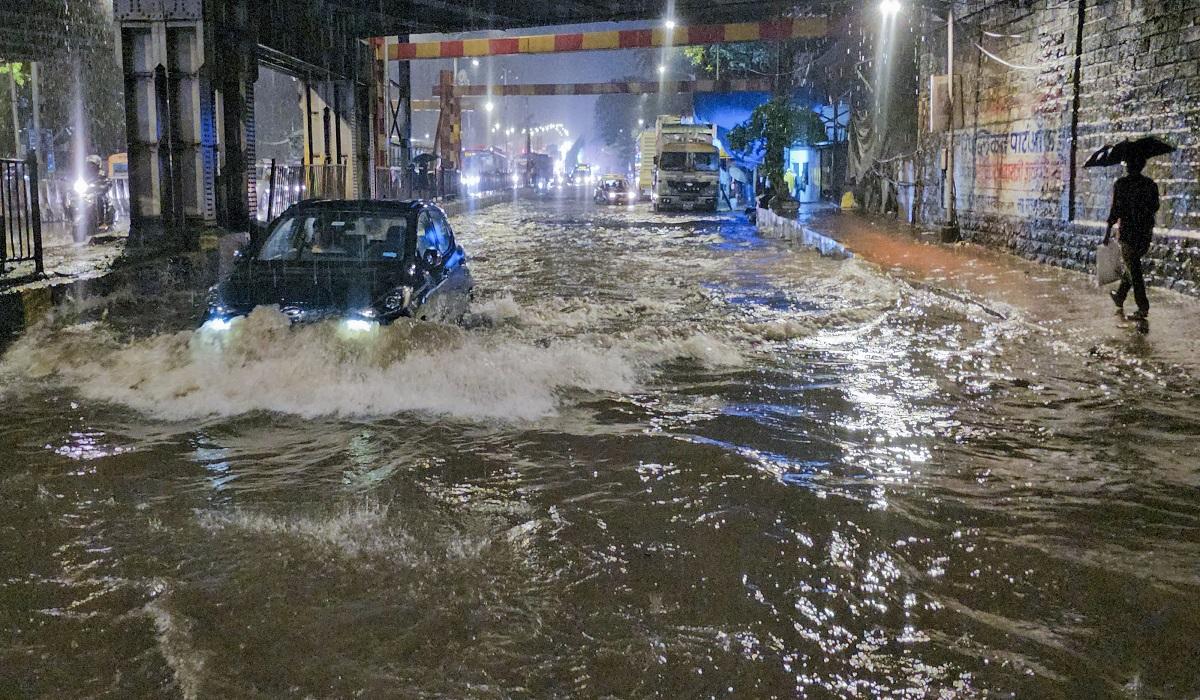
<point x="1134" y="204"/>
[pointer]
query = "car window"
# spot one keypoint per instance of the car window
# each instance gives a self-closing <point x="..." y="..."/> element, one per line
<point x="433" y="232"/>
<point x="426" y="234"/>
<point x="336" y="236"/>
<point x="445" y="239"/>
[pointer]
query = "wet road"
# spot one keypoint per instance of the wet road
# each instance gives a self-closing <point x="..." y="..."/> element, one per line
<point x="664" y="457"/>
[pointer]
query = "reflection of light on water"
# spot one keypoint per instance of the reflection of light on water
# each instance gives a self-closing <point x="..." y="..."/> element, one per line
<point x="86" y="446"/>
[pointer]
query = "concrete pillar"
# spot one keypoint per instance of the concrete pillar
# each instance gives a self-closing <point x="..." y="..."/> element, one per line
<point x="189" y="74"/>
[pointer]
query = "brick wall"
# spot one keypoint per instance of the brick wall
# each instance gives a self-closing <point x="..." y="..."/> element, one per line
<point x="1026" y="128"/>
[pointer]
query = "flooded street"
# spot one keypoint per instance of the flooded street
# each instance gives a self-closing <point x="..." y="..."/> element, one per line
<point x="662" y="457"/>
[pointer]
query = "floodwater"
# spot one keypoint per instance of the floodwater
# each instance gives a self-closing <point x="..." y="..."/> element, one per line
<point x="662" y="458"/>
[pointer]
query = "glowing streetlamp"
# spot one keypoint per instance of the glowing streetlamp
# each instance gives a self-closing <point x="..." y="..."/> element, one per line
<point x="489" y="106"/>
<point x="662" y="69"/>
<point x="669" y="24"/>
<point x="889" y="8"/>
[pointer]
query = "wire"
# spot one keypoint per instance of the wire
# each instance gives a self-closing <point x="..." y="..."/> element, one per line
<point x="1042" y="66"/>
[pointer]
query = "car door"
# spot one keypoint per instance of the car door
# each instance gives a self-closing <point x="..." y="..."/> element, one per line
<point x="457" y="283"/>
<point x="445" y="294"/>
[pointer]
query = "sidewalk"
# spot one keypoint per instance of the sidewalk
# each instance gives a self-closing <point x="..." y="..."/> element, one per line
<point x="1065" y="303"/>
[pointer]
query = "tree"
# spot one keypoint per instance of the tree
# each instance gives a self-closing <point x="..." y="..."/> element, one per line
<point x="772" y="128"/>
<point x="616" y="117"/>
<point x="744" y="60"/>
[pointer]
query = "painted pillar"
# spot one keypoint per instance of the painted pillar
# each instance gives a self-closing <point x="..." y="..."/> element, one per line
<point x="189" y="71"/>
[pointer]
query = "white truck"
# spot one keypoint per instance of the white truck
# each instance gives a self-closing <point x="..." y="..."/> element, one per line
<point x="687" y="166"/>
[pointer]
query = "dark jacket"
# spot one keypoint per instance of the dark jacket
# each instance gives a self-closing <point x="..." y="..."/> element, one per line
<point x="1135" y="202"/>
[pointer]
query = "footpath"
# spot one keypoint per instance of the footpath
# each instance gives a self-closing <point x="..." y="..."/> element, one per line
<point x="1063" y="302"/>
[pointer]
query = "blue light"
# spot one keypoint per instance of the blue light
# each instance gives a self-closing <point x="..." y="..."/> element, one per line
<point x="218" y="324"/>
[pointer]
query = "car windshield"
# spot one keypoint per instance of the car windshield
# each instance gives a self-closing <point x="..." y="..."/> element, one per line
<point x="614" y="185"/>
<point x="704" y="161"/>
<point x="672" y="161"/>
<point x="337" y="236"/>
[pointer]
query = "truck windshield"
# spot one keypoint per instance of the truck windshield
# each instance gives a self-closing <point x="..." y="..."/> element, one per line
<point x="672" y="161"/>
<point x="706" y="162"/>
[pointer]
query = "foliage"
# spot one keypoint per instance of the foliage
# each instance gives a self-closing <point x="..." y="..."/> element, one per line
<point x="743" y="60"/>
<point x="616" y="117"/>
<point x="772" y="128"/>
<point x="15" y="69"/>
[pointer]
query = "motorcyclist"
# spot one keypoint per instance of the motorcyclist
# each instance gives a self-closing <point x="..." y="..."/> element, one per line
<point x="91" y="199"/>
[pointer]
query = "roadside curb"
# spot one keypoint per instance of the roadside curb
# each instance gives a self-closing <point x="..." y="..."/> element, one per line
<point x="770" y="223"/>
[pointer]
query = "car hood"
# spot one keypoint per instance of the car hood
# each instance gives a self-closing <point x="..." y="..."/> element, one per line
<point x="307" y="290"/>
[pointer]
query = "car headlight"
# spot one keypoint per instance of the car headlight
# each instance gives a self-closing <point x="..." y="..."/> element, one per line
<point x="80" y="186"/>
<point x="359" y="325"/>
<point x="218" y="324"/>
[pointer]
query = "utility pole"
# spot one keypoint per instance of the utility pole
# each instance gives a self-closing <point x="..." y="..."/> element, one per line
<point x="950" y="232"/>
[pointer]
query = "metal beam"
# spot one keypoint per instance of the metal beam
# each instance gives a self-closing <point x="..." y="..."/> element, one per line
<point x="787" y="28"/>
<point x="611" y="88"/>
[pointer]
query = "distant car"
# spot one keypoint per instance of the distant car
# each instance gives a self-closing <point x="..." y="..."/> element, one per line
<point x="581" y="175"/>
<point x="365" y="263"/>
<point x="614" y="189"/>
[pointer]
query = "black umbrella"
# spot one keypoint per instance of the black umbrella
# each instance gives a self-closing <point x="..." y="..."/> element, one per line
<point x="1144" y="148"/>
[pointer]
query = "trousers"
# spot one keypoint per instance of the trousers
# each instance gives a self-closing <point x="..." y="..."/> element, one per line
<point x="1132" y="279"/>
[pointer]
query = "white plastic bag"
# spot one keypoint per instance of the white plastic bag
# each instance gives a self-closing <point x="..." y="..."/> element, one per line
<point x="1109" y="264"/>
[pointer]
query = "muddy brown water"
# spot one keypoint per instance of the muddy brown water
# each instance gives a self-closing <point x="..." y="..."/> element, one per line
<point x="662" y="458"/>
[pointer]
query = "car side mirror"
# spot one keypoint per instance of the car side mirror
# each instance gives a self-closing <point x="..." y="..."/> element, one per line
<point x="430" y="257"/>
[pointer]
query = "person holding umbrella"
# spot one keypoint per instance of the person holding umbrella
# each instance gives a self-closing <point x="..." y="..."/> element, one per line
<point x="1134" y="205"/>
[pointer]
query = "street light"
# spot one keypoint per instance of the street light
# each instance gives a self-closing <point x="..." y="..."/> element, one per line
<point x="889" y="7"/>
<point x="669" y="24"/>
<point x="662" y="69"/>
<point x="474" y="62"/>
<point x="489" y="106"/>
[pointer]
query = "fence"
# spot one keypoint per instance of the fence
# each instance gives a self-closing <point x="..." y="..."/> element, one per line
<point x="280" y="186"/>
<point x="20" y="212"/>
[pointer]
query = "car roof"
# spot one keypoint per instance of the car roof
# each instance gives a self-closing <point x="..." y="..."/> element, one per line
<point x="389" y="206"/>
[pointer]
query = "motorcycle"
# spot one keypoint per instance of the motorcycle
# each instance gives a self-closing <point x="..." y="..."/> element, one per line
<point x="90" y="209"/>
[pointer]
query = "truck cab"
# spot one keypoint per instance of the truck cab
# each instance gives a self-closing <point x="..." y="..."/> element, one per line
<point x="687" y="177"/>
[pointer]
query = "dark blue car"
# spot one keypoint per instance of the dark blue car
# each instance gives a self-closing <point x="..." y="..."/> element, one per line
<point x="364" y="262"/>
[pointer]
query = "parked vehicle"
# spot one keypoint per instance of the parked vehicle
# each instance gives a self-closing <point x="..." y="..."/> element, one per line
<point x="364" y="263"/>
<point x="614" y="189"/>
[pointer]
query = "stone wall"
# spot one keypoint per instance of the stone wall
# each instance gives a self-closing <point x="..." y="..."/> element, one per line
<point x="1026" y="124"/>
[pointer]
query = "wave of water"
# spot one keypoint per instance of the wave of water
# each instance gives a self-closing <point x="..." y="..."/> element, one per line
<point x="264" y="364"/>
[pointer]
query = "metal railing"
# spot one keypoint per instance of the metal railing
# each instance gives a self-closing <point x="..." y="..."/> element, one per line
<point x="280" y="186"/>
<point x="20" y="212"/>
<point x="413" y="183"/>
